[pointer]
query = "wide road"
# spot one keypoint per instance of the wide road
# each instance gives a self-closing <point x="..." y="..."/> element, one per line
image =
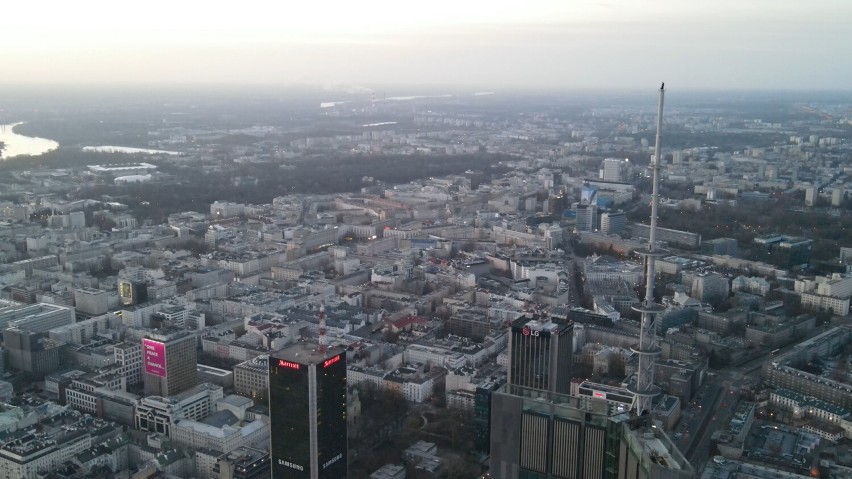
<point x="717" y="418"/>
<point x="694" y="418"/>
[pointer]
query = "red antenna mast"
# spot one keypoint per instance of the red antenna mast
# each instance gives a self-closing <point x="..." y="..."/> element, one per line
<point x="322" y="341"/>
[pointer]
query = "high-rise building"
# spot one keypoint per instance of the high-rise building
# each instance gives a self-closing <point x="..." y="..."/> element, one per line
<point x="170" y="362"/>
<point x="307" y="411"/>
<point x="613" y="169"/>
<point x="710" y="288"/>
<point x="613" y="222"/>
<point x="482" y="414"/>
<point x="32" y="352"/>
<point x="536" y="435"/>
<point x="538" y="431"/>
<point x="587" y="216"/>
<point x="132" y="292"/>
<point x="836" y="196"/>
<point x="811" y="195"/>
<point x="541" y="354"/>
<point x="26" y="338"/>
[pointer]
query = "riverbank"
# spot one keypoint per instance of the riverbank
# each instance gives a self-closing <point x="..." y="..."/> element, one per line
<point x="14" y="144"/>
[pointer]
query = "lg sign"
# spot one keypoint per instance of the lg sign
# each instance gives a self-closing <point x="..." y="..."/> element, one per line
<point x="530" y="332"/>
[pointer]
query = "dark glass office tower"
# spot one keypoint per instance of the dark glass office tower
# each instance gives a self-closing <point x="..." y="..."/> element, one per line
<point x="541" y="354"/>
<point x="536" y="434"/>
<point x="482" y="414"/>
<point x="307" y="410"/>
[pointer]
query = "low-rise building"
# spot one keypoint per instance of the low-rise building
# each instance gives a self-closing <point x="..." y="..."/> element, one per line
<point x="389" y="471"/>
<point x="242" y="463"/>
<point x="158" y="414"/>
<point x="251" y="378"/>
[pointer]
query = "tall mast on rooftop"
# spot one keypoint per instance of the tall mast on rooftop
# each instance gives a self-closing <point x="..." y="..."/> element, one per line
<point x="644" y="389"/>
<point x="323" y="341"/>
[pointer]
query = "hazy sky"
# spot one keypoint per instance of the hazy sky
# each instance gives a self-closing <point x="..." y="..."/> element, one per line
<point x="718" y="44"/>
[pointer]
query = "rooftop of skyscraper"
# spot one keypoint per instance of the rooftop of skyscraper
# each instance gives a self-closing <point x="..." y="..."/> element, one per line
<point x="304" y="352"/>
<point x="167" y="333"/>
<point x="657" y="450"/>
<point x="541" y="323"/>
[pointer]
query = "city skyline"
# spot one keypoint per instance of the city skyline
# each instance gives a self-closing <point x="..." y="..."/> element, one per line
<point x="700" y="45"/>
<point x="238" y="282"/>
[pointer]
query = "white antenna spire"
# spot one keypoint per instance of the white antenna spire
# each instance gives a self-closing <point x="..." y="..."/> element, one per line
<point x="647" y="350"/>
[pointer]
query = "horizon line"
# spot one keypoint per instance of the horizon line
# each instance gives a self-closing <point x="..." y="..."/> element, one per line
<point x="368" y="88"/>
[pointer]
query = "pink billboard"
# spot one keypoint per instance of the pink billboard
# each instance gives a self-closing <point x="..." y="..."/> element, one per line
<point x="154" y="356"/>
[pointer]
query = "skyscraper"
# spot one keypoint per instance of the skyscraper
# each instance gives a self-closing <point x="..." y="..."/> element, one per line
<point x="307" y="411"/>
<point x="613" y="169"/>
<point x="587" y="216"/>
<point x="170" y="362"/>
<point x="613" y="222"/>
<point x="541" y="434"/>
<point x="536" y="434"/>
<point x="541" y="354"/>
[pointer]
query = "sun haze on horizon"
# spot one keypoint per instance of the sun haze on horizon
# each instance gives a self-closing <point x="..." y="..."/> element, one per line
<point x="760" y="44"/>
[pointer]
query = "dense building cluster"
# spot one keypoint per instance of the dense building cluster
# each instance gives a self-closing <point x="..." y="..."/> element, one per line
<point x="436" y="322"/>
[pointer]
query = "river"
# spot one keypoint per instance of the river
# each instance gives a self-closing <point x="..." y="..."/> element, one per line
<point x="127" y="149"/>
<point x="17" y="145"/>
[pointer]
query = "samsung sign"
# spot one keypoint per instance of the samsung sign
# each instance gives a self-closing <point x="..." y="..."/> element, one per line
<point x="332" y="460"/>
<point x="282" y="462"/>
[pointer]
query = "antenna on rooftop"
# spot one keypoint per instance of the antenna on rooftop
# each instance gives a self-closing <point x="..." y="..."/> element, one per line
<point x="647" y="350"/>
<point x="322" y="340"/>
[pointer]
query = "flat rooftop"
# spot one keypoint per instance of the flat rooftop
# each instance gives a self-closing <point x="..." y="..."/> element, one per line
<point x="203" y="368"/>
<point x="659" y="453"/>
<point x="537" y="325"/>
<point x="305" y="353"/>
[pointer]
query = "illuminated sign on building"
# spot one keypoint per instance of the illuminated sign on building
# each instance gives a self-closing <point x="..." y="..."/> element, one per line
<point x="291" y="464"/>
<point x="154" y="356"/>
<point x="126" y="289"/>
<point x="328" y="362"/>
<point x="287" y="364"/>
<point x="332" y="460"/>
<point x="530" y="332"/>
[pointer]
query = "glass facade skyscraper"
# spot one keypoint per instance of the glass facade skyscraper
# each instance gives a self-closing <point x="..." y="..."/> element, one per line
<point x="307" y="411"/>
<point x="539" y="431"/>
<point x="537" y="434"/>
<point x="541" y="354"/>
